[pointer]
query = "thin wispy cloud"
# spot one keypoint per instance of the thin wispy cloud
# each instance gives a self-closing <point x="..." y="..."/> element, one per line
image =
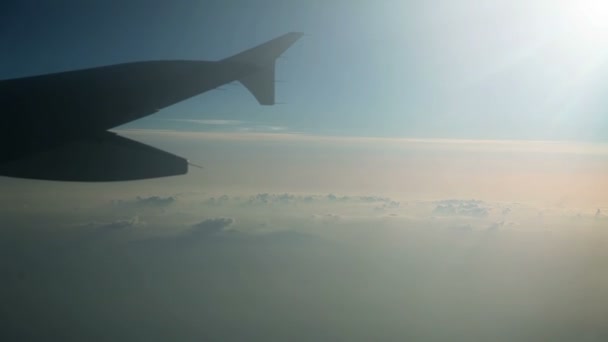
<point x="263" y="128"/>
<point x="209" y="122"/>
<point x="280" y="133"/>
<point x="225" y="125"/>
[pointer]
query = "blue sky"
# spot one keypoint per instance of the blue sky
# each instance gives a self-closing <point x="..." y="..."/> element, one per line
<point x="425" y="69"/>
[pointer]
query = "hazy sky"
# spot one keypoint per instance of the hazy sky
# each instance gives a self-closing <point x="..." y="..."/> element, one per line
<point x="438" y="173"/>
<point x="501" y="69"/>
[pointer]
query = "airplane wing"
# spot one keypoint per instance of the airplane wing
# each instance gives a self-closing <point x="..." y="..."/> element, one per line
<point x="63" y="118"/>
<point x="107" y="157"/>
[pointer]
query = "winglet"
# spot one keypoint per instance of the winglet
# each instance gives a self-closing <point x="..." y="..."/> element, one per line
<point x="261" y="83"/>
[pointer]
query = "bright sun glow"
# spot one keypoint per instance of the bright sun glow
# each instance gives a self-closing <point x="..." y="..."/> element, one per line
<point x="590" y="19"/>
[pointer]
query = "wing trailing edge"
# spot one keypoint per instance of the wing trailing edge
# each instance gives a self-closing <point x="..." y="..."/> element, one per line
<point x="102" y="158"/>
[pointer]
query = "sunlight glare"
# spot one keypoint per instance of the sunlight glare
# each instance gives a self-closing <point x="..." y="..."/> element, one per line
<point x="590" y="20"/>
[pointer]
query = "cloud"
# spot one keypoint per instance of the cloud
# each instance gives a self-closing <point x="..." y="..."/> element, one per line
<point x="123" y="224"/>
<point x="217" y="201"/>
<point x="192" y="267"/>
<point x="463" y="208"/>
<point x="374" y="199"/>
<point x="287" y="198"/>
<point x="465" y="145"/>
<point x="263" y="128"/>
<point x="496" y="225"/>
<point x="155" y="201"/>
<point x="284" y="198"/>
<point x="332" y="197"/>
<point x="116" y="224"/>
<point x="231" y="125"/>
<point x="266" y="198"/>
<point x="389" y="204"/>
<point x="211" y="122"/>
<point x="326" y="218"/>
<point x="146" y="202"/>
<point x="212" y="226"/>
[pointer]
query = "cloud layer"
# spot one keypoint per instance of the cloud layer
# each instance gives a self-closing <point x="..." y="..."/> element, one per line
<point x="188" y="266"/>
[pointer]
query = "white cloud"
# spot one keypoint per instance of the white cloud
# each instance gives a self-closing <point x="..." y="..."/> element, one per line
<point x="464" y="208"/>
<point x="117" y="224"/>
<point x="445" y="145"/>
<point x="210" y="122"/>
<point x="230" y="125"/>
<point x="146" y="202"/>
<point x="263" y="128"/>
<point x="212" y="226"/>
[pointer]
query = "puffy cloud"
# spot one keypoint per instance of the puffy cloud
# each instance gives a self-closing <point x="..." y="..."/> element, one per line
<point x="212" y="226"/>
<point x="146" y="202"/>
<point x="287" y="198"/>
<point x="280" y="198"/>
<point x="216" y="201"/>
<point x="122" y="224"/>
<point x="326" y="218"/>
<point x="116" y="224"/>
<point x="155" y="200"/>
<point x="464" y="208"/>
<point x="332" y="197"/>
<point x="374" y="199"/>
<point x="389" y="204"/>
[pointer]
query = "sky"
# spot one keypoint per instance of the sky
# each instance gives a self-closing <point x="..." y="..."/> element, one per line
<point x="436" y="172"/>
<point x="424" y="69"/>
